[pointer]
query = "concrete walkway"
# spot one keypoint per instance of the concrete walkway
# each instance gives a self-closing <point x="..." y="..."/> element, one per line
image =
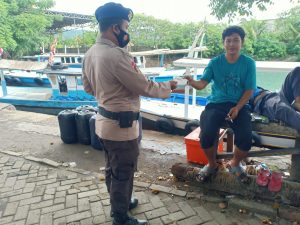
<point x="37" y="187"/>
<point x="37" y="193"/>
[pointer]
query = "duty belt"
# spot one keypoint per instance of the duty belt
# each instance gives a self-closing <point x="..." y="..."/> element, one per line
<point x="117" y="115"/>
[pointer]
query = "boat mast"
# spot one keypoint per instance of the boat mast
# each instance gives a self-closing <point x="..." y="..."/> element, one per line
<point x="188" y="72"/>
<point x="3" y="83"/>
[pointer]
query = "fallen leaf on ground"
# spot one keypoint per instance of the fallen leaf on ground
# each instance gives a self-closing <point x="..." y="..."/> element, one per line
<point x="223" y="205"/>
<point x="267" y="221"/>
<point x="153" y="191"/>
<point x="101" y="177"/>
<point x="161" y="178"/>
<point x="242" y="211"/>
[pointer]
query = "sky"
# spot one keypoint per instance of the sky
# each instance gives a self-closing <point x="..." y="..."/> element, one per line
<point x="173" y="10"/>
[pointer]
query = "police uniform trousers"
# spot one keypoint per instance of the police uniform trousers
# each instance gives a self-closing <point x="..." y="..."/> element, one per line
<point x="121" y="163"/>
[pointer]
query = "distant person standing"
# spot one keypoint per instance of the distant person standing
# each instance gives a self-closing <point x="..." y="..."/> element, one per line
<point x="4" y="54"/>
<point x="52" y="51"/>
<point x="42" y="52"/>
<point x="1" y="52"/>
<point x="111" y="75"/>
<point x="234" y="79"/>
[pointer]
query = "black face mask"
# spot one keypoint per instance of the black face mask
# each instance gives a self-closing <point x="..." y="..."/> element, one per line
<point x="123" y="38"/>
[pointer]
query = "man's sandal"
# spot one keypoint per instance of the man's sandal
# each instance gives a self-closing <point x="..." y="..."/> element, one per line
<point x="206" y="173"/>
<point x="240" y="174"/>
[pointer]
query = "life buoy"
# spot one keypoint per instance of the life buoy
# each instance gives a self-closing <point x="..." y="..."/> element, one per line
<point x="165" y="125"/>
<point x="58" y="66"/>
<point x="191" y="125"/>
<point x="38" y="81"/>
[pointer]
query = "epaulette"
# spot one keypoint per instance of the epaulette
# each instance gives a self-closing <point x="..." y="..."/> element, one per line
<point x="124" y="52"/>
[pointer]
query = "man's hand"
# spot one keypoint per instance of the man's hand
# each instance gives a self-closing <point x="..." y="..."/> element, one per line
<point x="233" y="113"/>
<point x="189" y="78"/>
<point x="173" y="84"/>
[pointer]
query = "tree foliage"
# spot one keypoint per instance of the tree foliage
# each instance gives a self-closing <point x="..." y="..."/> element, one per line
<point x="23" y="25"/>
<point x="288" y="31"/>
<point x="23" y="28"/>
<point x="232" y="8"/>
<point x="146" y="31"/>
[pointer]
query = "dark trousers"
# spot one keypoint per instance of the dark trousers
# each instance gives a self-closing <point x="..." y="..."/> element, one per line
<point x="277" y="107"/>
<point x="213" y="118"/>
<point x="121" y="163"/>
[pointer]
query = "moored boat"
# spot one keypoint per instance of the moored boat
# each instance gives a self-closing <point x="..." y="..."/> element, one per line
<point x="67" y="92"/>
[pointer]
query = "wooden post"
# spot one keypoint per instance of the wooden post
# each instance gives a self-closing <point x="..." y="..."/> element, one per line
<point x="229" y="141"/>
<point x="3" y="83"/>
<point x="295" y="167"/>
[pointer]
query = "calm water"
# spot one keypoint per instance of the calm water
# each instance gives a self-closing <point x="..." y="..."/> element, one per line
<point x="269" y="80"/>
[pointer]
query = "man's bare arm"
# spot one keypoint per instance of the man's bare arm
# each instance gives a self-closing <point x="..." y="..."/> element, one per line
<point x="197" y="84"/>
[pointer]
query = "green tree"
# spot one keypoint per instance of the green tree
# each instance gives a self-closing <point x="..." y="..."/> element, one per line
<point x="213" y="40"/>
<point x="268" y="48"/>
<point x="6" y="34"/>
<point x="232" y="8"/>
<point x="288" y="30"/>
<point x="23" y="25"/>
<point x="150" y="33"/>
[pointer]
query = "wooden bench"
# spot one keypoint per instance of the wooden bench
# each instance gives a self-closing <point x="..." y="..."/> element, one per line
<point x="276" y="130"/>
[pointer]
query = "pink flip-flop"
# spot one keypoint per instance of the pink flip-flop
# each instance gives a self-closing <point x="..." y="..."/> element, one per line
<point x="275" y="183"/>
<point x="263" y="177"/>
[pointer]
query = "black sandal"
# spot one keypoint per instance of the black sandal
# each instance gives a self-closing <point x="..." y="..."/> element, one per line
<point x="206" y="173"/>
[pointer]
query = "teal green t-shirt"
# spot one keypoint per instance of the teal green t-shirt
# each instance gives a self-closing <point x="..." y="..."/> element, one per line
<point x="230" y="80"/>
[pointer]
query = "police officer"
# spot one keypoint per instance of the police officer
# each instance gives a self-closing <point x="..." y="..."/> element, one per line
<point x="111" y="75"/>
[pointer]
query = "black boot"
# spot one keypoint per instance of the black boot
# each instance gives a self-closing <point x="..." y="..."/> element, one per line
<point x="124" y="219"/>
<point x="133" y="203"/>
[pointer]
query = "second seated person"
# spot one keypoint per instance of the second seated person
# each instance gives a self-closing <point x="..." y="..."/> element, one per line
<point x="233" y="77"/>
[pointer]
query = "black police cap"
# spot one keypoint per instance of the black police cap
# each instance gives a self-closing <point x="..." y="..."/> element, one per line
<point x="113" y="10"/>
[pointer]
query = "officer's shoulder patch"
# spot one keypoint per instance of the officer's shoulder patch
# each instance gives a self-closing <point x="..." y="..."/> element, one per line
<point x="134" y="66"/>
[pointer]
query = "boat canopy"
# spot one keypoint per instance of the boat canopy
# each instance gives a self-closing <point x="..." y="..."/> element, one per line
<point x="167" y="51"/>
<point x="260" y="65"/>
<point x="22" y="65"/>
<point x="191" y="62"/>
<point x="64" y="72"/>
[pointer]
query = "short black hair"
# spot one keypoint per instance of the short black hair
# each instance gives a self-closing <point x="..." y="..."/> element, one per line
<point x="105" y="24"/>
<point x="234" y="30"/>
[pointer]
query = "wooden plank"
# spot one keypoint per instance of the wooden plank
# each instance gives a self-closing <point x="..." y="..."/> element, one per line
<point x="272" y="152"/>
<point x="274" y="129"/>
<point x="295" y="165"/>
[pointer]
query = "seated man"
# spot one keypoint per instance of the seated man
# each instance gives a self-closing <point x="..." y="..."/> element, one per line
<point x="283" y="106"/>
<point x="233" y="77"/>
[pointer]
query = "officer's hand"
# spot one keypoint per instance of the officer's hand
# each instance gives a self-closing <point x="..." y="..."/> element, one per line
<point x="181" y="91"/>
<point x="173" y="84"/>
